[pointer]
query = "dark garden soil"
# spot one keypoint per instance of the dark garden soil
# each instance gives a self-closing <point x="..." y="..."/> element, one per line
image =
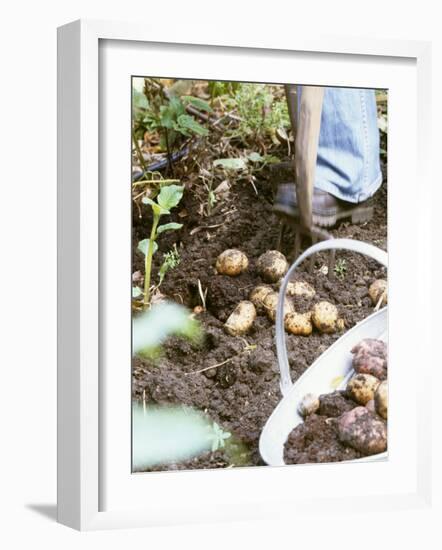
<point x="241" y="394"/>
<point x="316" y="439"/>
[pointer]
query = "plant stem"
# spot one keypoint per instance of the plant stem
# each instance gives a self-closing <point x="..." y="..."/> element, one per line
<point x="139" y="153"/>
<point x="148" y="260"/>
<point x="169" y="152"/>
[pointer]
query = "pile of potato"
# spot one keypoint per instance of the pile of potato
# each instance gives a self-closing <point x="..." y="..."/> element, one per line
<point x="363" y="427"/>
<point x="271" y="267"/>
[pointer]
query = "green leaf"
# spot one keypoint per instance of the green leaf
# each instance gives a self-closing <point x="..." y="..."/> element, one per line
<point x="144" y="245"/>
<point x="139" y="100"/>
<point x="271" y="159"/>
<point x="255" y="157"/>
<point x="231" y="164"/>
<point x="169" y="227"/>
<point x="197" y="103"/>
<point x="162" y="320"/>
<point x="158" y="209"/>
<point x="170" y="196"/>
<point x="167" y="118"/>
<point x="187" y="122"/>
<point x="176" y="106"/>
<point x="136" y="292"/>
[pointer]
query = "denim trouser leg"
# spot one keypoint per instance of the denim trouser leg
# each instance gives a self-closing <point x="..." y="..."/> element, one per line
<point x="348" y="164"/>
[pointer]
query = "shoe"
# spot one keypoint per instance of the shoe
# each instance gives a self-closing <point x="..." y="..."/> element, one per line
<point x="327" y="210"/>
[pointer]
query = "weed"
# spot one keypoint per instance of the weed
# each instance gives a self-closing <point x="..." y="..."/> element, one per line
<point x="340" y="268"/>
<point x="170" y="260"/>
<point x="260" y="112"/>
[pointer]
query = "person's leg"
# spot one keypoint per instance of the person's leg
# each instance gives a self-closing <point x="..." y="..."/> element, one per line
<point x="348" y="165"/>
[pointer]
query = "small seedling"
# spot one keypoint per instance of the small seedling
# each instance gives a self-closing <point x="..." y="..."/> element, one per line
<point x="340" y="268"/>
<point x="218" y="437"/>
<point x="168" y="198"/>
<point x="171" y="260"/>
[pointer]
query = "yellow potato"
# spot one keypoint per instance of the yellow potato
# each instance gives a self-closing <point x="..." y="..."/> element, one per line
<point x="270" y="303"/>
<point x="299" y="323"/>
<point x="241" y="319"/>
<point x="272" y="265"/>
<point x="377" y="289"/>
<point x="231" y="262"/>
<point x="300" y="288"/>
<point x="325" y="317"/>
<point x="309" y="404"/>
<point x="381" y="399"/>
<point x="362" y="387"/>
<point x="258" y="294"/>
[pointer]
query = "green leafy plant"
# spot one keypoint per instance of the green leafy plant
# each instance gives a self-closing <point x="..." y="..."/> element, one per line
<point x="219" y="88"/>
<point x="171" y="119"/>
<point x="260" y="112"/>
<point x="168" y="198"/>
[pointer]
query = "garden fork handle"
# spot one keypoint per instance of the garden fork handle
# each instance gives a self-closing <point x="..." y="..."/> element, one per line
<point x="306" y="149"/>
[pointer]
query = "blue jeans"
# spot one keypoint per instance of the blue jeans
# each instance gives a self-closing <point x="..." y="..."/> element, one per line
<point x="348" y="164"/>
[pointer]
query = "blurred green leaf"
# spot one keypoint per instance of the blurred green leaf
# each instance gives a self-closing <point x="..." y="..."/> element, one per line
<point x="197" y="103"/>
<point x="165" y="319"/>
<point x="136" y="292"/>
<point x="231" y="164"/>
<point x="187" y="123"/>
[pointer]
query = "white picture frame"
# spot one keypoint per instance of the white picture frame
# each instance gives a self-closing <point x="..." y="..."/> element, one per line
<point x="81" y="436"/>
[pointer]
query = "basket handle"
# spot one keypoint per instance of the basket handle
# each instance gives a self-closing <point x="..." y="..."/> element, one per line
<point x="332" y="244"/>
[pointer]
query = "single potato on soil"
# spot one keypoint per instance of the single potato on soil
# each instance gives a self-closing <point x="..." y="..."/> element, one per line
<point x="272" y="265"/>
<point x="362" y="387"/>
<point x="299" y="323"/>
<point x="325" y="317"/>
<point x="258" y="295"/>
<point x="359" y="429"/>
<point x="232" y="262"/>
<point x="271" y="302"/>
<point x="378" y="289"/>
<point x="301" y="289"/>
<point x="241" y="319"/>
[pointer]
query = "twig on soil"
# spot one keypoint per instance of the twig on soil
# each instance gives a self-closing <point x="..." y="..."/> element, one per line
<point x="211" y="366"/>
<point x="248" y="347"/>
<point x="201" y="227"/>
<point x="202" y="294"/>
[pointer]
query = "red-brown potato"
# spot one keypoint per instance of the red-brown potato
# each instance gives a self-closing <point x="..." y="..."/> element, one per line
<point x="362" y="431"/>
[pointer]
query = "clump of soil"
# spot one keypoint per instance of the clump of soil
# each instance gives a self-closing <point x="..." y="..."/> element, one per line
<point x="316" y="440"/>
<point x="334" y="404"/>
<point x="241" y="393"/>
